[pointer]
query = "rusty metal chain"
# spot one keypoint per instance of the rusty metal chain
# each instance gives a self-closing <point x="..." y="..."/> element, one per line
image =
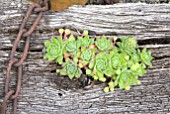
<point x="39" y="7"/>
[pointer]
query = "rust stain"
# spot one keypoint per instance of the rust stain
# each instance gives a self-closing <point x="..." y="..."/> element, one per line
<point x="57" y="5"/>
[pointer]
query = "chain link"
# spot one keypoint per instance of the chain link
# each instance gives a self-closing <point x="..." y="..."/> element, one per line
<point x="39" y="7"/>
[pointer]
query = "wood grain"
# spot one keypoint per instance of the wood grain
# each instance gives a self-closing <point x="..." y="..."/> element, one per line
<point x="44" y="92"/>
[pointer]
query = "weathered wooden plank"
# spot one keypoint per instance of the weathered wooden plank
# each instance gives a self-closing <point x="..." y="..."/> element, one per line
<point x="41" y="95"/>
<point x="120" y="19"/>
<point x="45" y="92"/>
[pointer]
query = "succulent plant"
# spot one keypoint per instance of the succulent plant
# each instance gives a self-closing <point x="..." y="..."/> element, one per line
<point x="99" y="66"/>
<point x="117" y="62"/>
<point x="70" y="69"/>
<point x="125" y="79"/>
<point x="72" y="46"/>
<point x="103" y="43"/>
<point x="129" y="42"/>
<point x="138" y="69"/>
<point x="86" y="56"/>
<point x="85" y="41"/>
<point x="146" y="57"/>
<point x="54" y="50"/>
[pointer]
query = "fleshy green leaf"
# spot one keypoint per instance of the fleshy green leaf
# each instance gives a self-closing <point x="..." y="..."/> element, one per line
<point x="146" y="57"/>
<point x="75" y="59"/>
<point x="102" y="79"/>
<point x="62" y="71"/>
<point x="71" y="38"/>
<point x="47" y="43"/>
<point x="88" y="72"/>
<point x="91" y="65"/>
<point x="95" y="77"/>
<point x="111" y="89"/>
<point x="54" y="40"/>
<point x="81" y="65"/>
<point x="59" y="60"/>
<point x="111" y="84"/>
<point x="85" y="32"/>
<point x="71" y="76"/>
<point x="127" y="87"/>
<point x="106" y="89"/>
<point x="100" y="74"/>
<point x="109" y="72"/>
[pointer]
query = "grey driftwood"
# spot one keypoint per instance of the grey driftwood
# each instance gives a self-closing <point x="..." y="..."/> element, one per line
<point x="44" y="92"/>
